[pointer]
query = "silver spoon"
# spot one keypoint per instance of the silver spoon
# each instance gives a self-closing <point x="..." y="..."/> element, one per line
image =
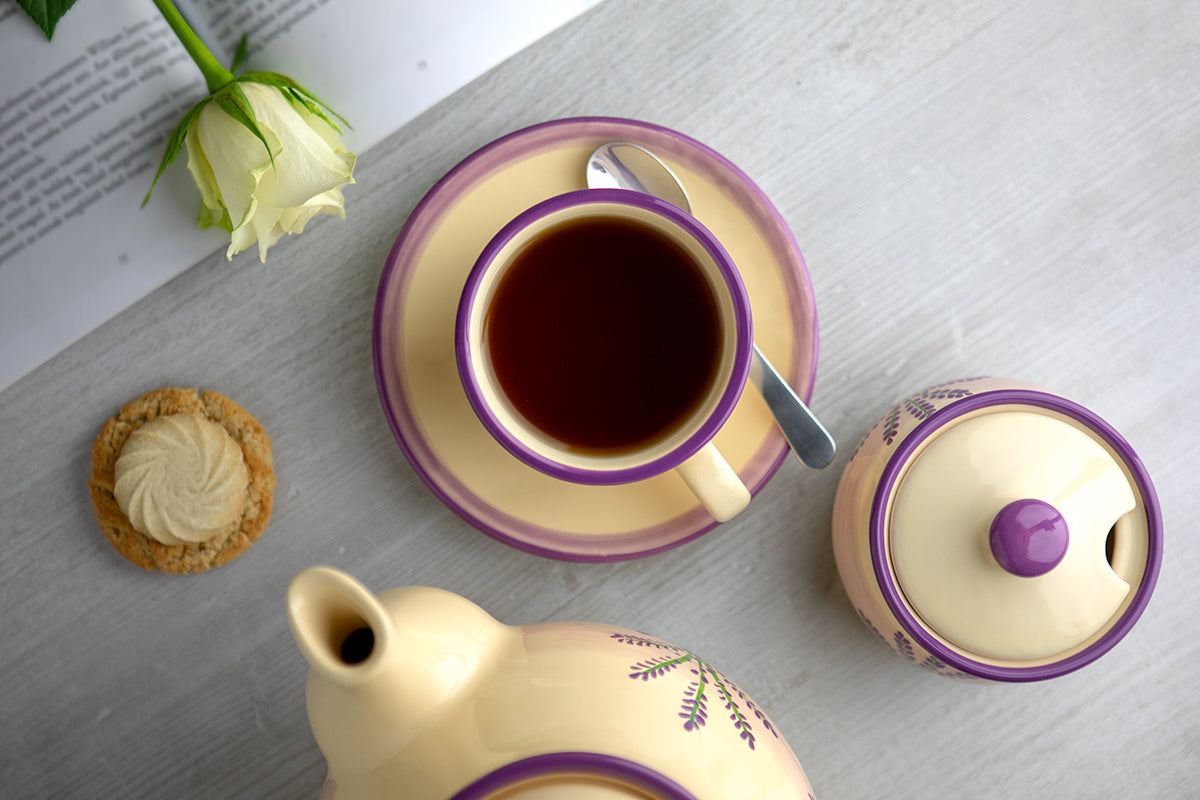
<point x="625" y="165"/>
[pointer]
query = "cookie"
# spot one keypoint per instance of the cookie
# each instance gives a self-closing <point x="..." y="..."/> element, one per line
<point x="228" y="543"/>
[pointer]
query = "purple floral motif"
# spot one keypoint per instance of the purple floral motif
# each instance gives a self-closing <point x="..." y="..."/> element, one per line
<point x="865" y="438"/>
<point x="901" y="645"/>
<point x="694" y="709"/>
<point x="740" y="723"/>
<point x="921" y="406"/>
<point x="932" y="663"/>
<point x="707" y="681"/>
<point x="657" y="666"/>
<point x="643" y="641"/>
<point x="758" y="714"/>
<point x="867" y="622"/>
<point x="891" y="425"/>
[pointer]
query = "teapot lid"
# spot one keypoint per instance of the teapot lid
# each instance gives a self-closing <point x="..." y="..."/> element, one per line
<point x="1001" y="534"/>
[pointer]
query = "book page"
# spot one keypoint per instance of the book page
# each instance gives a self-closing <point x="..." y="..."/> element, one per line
<point x="84" y="120"/>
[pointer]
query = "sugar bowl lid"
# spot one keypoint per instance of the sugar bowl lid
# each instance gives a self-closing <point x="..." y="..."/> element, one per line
<point x="1019" y="536"/>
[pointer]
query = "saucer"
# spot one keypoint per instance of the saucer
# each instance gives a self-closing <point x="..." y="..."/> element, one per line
<point x="418" y="382"/>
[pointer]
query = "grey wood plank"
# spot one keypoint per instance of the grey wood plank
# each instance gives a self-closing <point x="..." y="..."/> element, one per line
<point x="979" y="188"/>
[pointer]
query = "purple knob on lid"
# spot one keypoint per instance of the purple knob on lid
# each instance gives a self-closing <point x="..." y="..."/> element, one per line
<point x="1028" y="538"/>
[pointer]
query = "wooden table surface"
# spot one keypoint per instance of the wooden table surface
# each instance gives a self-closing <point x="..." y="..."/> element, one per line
<point x="979" y="188"/>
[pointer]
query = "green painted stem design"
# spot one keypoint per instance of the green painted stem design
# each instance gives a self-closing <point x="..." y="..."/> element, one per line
<point x="693" y="708"/>
<point x="739" y="719"/>
<point x="652" y="669"/>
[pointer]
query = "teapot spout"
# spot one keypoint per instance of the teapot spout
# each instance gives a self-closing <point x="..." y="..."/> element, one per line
<point x="341" y="628"/>
<point x="384" y="669"/>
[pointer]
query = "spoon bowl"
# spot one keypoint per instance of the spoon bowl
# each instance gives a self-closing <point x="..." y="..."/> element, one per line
<point x="625" y="165"/>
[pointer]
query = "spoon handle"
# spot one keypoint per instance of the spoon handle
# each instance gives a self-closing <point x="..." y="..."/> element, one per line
<point x="808" y="438"/>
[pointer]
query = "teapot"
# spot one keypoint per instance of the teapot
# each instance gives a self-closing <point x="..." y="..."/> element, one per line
<point x="987" y="529"/>
<point x="418" y="694"/>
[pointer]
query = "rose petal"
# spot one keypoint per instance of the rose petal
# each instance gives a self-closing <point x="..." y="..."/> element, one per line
<point x="243" y="191"/>
<point x="306" y="164"/>
<point x="234" y="154"/>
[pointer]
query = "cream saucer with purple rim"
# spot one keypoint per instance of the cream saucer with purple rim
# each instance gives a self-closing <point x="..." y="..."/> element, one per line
<point x="417" y="377"/>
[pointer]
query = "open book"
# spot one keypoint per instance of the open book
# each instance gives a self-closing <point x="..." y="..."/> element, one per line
<point x="84" y="120"/>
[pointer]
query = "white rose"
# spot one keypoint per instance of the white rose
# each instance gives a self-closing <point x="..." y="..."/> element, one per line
<point x="257" y="196"/>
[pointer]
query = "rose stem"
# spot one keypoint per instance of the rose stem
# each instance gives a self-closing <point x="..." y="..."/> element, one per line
<point x="215" y="75"/>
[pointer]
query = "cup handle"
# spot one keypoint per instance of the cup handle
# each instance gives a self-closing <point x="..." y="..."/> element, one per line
<point x="715" y="484"/>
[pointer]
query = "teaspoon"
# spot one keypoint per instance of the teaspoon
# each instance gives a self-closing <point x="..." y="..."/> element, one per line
<point x="625" y="165"/>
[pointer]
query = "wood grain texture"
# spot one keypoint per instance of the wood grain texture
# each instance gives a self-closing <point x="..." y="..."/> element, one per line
<point x="1007" y="188"/>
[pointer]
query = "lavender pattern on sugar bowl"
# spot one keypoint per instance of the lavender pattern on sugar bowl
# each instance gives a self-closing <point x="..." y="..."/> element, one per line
<point x="942" y="494"/>
<point x="922" y="405"/>
<point x="853" y="503"/>
<point x="902" y="646"/>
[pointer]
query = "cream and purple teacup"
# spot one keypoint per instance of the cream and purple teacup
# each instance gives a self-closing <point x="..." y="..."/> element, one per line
<point x="604" y="337"/>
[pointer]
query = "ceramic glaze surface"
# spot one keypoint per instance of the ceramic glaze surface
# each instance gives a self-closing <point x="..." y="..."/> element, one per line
<point x="714" y="482"/>
<point x="449" y="696"/>
<point x="1028" y="538"/>
<point x="942" y="517"/>
<point x="422" y="395"/>
<point x="914" y="516"/>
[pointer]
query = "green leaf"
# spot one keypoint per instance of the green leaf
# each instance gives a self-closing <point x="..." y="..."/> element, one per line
<point x="174" y="143"/>
<point x="298" y="94"/>
<point x="46" y="13"/>
<point x="239" y="57"/>
<point x="233" y="101"/>
<point x="205" y="218"/>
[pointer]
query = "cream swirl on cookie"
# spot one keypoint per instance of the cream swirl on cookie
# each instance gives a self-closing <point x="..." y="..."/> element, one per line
<point x="181" y="479"/>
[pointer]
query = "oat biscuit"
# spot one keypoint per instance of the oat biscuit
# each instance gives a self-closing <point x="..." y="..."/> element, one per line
<point x="145" y="551"/>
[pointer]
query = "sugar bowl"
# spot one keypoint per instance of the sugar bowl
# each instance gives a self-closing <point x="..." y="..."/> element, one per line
<point x="986" y="529"/>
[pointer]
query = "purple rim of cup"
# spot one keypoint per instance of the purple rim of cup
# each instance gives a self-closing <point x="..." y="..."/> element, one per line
<point x="514" y="531"/>
<point x="730" y="393"/>
<point x="599" y="764"/>
<point x="893" y="595"/>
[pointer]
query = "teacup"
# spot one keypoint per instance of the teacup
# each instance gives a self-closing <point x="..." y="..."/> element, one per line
<point x="604" y="337"/>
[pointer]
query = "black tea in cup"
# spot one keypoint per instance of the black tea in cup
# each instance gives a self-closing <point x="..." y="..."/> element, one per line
<point x="604" y="334"/>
